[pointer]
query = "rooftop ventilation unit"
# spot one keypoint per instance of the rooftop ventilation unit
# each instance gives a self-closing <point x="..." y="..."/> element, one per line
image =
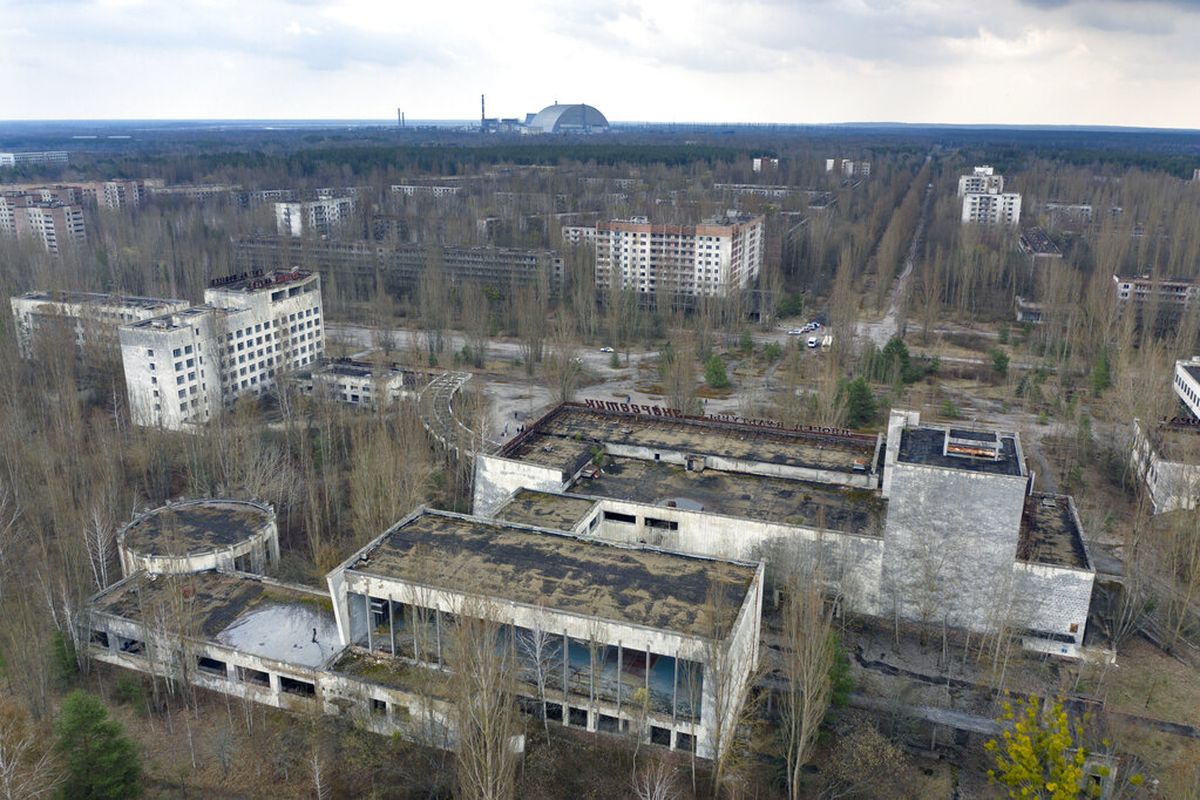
<point x="972" y="444"/>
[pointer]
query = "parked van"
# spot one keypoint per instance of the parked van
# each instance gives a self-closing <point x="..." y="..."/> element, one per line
<point x="812" y="341"/>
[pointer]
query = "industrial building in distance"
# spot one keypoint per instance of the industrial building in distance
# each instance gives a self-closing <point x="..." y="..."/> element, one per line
<point x="18" y="159"/>
<point x="558" y="118"/>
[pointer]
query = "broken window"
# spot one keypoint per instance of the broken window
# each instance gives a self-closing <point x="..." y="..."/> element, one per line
<point x="378" y="707"/>
<point x="685" y="741"/>
<point x="660" y="736"/>
<point x="133" y="647"/>
<point x="663" y="524"/>
<point x="293" y="686"/>
<point x="255" y="677"/>
<point x="100" y="639"/>
<point x="577" y="717"/>
<point x="211" y="665"/>
<point x="607" y="724"/>
<point x="613" y="516"/>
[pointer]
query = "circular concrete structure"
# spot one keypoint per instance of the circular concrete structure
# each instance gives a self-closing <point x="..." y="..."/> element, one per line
<point x="199" y="535"/>
<point x="575" y="118"/>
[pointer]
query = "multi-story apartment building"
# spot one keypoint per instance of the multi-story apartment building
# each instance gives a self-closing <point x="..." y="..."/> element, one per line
<point x="848" y="168"/>
<point x="1158" y="302"/>
<point x="981" y="181"/>
<point x="182" y="368"/>
<point x="57" y="225"/>
<point x="764" y="164"/>
<point x="579" y="234"/>
<point x="33" y="157"/>
<point x="713" y="258"/>
<point x="992" y="207"/>
<point x="89" y="319"/>
<point x="415" y="189"/>
<point x="359" y="263"/>
<point x="315" y="217"/>
<point x="1166" y="455"/>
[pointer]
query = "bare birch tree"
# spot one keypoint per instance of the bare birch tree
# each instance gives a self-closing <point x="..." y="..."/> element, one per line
<point x="807" y="656"/>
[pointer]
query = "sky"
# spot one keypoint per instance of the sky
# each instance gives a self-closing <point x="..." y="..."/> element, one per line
<point x="1080" y="62"/>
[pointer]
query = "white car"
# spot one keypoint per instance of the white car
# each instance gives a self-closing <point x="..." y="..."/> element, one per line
<point x="812" y="341"/>
<point x="797" y="332"/>
<point x="606" y="350"/>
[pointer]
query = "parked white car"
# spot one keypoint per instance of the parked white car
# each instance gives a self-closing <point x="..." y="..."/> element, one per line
<point x="812" y="341"/>
<point x="606" y="350"/>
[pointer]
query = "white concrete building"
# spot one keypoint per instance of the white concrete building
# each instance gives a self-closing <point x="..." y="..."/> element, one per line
<point x="579" y="234"/>
<point x="199" y="535"/>
<point x="313" y="217"/>
<point x="426" y="190"/>
<point x="992" y="207"/>
<point x="571" y="598"/>
<point x="981" y="181"/>
<point x="33" y="157"/>
<point x="362" y="383"/>
<point x="848" y="168"/>
<point x="1187" y="384"/>
<point x="713" y="258"/>
<point x="886" y="536"/>
<point x="89" y="319"/>
<point x="1166" y="458"/>
<point x="182" y="368"/>
<point x="41" y="216"/>
<point x="764" y="164"/>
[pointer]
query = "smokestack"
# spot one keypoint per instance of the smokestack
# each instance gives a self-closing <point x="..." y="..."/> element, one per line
<point x="482" y="113"/>
<point x="400" y="117"/>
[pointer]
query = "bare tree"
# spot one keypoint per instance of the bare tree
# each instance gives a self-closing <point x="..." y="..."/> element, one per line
<point x="100" y="536"/>
<point x="484" y="707"/>
<point x="807" y="655"/>
<point x="655" y="781"/>
<point x="26" y="768"/>
<point x="536" y="646"/>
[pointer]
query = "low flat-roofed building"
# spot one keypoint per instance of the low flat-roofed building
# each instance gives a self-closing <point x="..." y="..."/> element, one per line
<point x="874" y="511"/>
<point x="197" y="535"/>
<point x="17" y="159"/>
<point x="88" y="318"/>
<point x="1166" y="459"/>
<point x="1036" y="243"/>
<point x="363" y="383"/>
<point x="1187" y="384"/>
<point x="661" y="621"/>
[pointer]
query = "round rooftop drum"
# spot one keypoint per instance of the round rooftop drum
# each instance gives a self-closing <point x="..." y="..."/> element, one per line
<point x="199" y="535"/>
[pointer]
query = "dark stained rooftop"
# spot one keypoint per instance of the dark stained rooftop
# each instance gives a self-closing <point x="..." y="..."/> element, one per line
<point x="544" y="510"/>
<point x="927" y="446"/>
<point x="195" y="526"/>
<point x="1050" y="534"/>
<point x="565" y="435"/>
<point x="1193" y="370"/>
<point x="651" y="588"/>
<point x="783" y="500"/>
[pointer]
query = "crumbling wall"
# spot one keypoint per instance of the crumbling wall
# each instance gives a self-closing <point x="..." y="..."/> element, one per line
<point x="497" y="478"/>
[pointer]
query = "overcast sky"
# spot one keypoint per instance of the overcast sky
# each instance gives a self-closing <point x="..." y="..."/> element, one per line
<point x="1118" y="62"/>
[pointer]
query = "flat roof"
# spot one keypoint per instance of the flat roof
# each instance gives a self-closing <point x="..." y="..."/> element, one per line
<point x="927" y="446"/>
<point x="103" y="299"/>
<point x="195" y="526"/>
<point x="545" y="510"/>
<point x="267" y="280"/>
<point x="736" y="494"/>
<point x="1191" y="368"/>
<point x="1050" y="534"/>
<point x="566" y="434"/>
<point x="239" y="611"/>
<point x="174" y="319"/>
<point x="496" y="559"/>
<point x="392" y="672"/>
<point x="1177" y="440"/>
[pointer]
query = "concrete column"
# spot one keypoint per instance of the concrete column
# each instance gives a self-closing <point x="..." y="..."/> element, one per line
<point x="370" y="623"/>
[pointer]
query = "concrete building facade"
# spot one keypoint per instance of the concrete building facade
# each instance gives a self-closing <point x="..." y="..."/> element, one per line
<point x="55" y="224"/>
<point x="982" y="180"/>
<point x="181" y="369"/>
<point x="873" y="512"/>
<point x="199" y="535"/>
<point x="17" y="159"/>
<point x="362" y="383"/>
<point x="992" y="208"/>
<point x="713" y="258"/>
<point x="318" y="217"/>
<point x="89" y="320"/>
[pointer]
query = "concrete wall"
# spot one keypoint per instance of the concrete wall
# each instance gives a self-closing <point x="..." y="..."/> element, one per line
<point x="951" y="540"/>
<point x="862" y="480"/>
<point x="1049" y="599"/>
<point x="854" y="563"/>
<point x="1172" y="485"/>
<point x="497" y="478"/>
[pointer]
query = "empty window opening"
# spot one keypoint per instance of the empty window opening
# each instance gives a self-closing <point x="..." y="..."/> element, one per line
<point x="685" y="741"/>
<point x="554" y="712"/>
<point x="660" y="736"/>
<point x="243" y="563"/>
<point x="253" y="676"/>
<point x="607" y="724"/>
<point x="210" y="665"/>
<point x="613" y="516"/>
<point x="293" y="686"/>
<point x="133" y="647"/>
<point x="577" y="717"/>
<point x="100" y="639"/>
<point x="379" y="707"/>
<point x="663" y="524"/>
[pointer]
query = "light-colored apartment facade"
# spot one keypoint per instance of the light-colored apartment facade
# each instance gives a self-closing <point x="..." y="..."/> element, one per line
<point x="981" y="181"/>
<point x="181" y="369"/>
<point x="992" y="208"/>
<point x="17" y="159"/>
<point x="313" y="217"/>
<point x="711" y="259"/>
<point x="41" y="216"/>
